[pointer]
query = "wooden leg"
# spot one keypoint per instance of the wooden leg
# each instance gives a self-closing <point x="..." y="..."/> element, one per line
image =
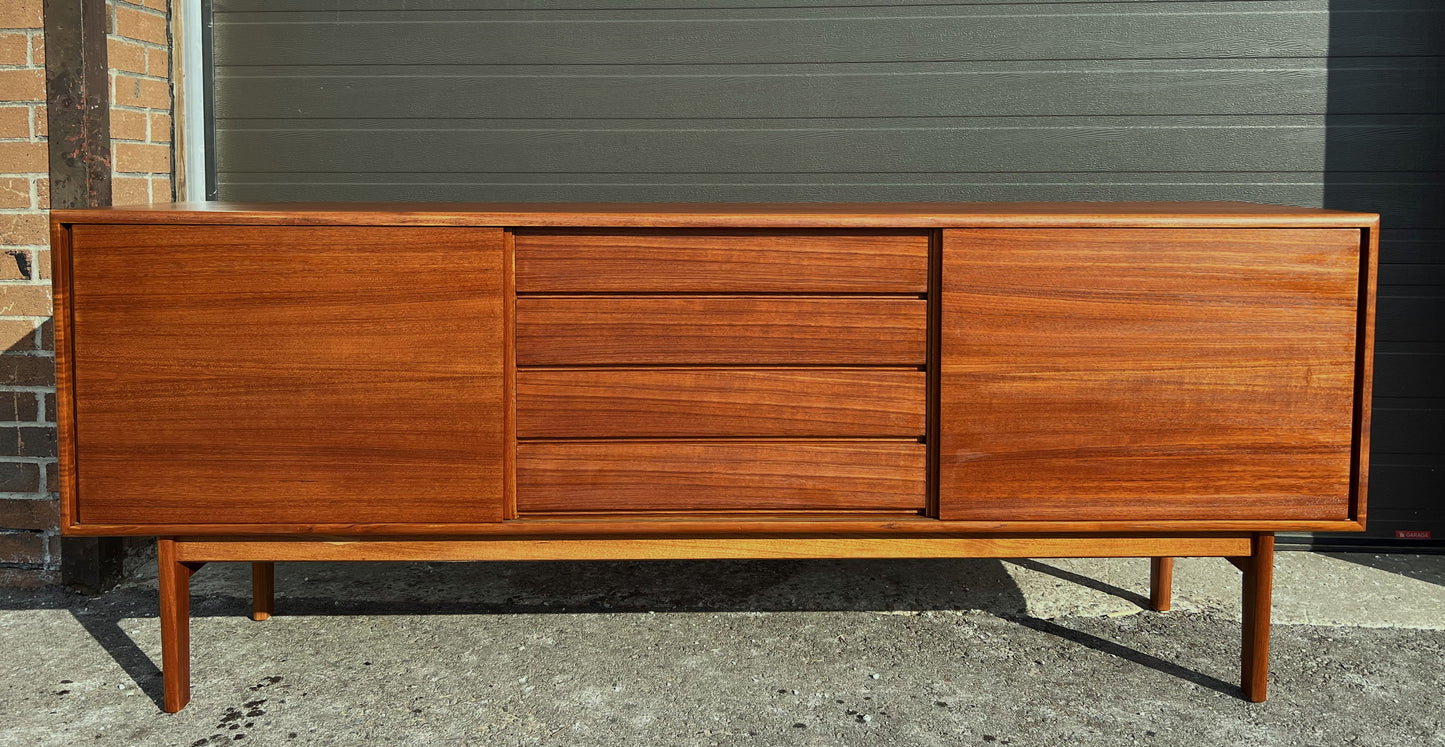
<point x="263" y="590"/>
<point x="175" y="583"/>
<point x="1258" y="589"/>
<point x="1161" y="583"/>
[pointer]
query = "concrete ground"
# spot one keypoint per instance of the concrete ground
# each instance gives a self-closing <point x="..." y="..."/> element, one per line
<point x="906" y="652"/>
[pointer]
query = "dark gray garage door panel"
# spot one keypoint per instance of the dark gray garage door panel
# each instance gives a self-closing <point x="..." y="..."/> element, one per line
<point x="1338" y="103"/>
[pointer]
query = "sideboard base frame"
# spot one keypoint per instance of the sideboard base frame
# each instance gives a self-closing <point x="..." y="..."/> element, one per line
<point x="180" y="557"/>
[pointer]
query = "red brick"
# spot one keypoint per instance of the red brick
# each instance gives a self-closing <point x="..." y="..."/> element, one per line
<point x="14" y="193"/>
<point x="22" y="85"/>
<point x="157" y="4"/>
<point x="23" y="229"/>
<point x="21" y="406"/>
<point x="28" y="441"/>
<point x="161" y="189"/>
<point x="20" y="158"/>
<point x="42" y="197"/>
<point x="50" y="418"/>
<point x="16" y="334"/>
<point x="27" y="370"/>
<point x="21" y="14"/>
<point x="22" y="547"/>
<point x="27" y="578"/>
<point x="37" y="49"/>
<point x="145" y="159"/>
<point x="25" y="300"/>
<point x="52" y="469"/>
<point x="15" y="265"/>
<point x="160" y="128"/>
<point x="19" y="263"/>
<point x="158" y="63"/>
<point x="47" y="329"/>
<point x="135" y="24"/>
<point x="19" y="513"/>
<point x="14" y="122"/>
<point x="142" y="93"/>
<point x="129" y="191"/>
<point x="40" y="125"/>
<point x="125" y="55"/>
<point x="14" y="49"/>
<point x="127" y="125"/>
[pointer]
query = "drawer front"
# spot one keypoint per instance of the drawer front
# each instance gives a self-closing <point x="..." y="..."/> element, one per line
<point x="580" y="476"/>
<point x="642" y="330"/>
<point x="682" y="261"/>
<point x="657" y="403"/>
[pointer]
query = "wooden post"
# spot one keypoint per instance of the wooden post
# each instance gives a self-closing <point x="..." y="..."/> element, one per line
<point x="175" y="583"/>
<point x="263" y="590"/>
<point x="1161" y="583"/>
<point x="1258" y="589"/>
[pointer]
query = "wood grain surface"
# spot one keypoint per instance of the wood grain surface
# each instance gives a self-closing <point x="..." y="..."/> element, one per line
<point x="712" y="524"/>
<point x="577" y="476"/>
<point x="671" y="402"/>
<point x="742" y="330"/>
<point x="675" y="548"/>
<point x="283" y="374"/>
<point x="745" y="215"/>
<point x="690" y="261"/>
<point x="1147" y="374"/>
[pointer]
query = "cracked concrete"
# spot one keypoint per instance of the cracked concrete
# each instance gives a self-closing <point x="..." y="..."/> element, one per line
<point x="904" y="652"/>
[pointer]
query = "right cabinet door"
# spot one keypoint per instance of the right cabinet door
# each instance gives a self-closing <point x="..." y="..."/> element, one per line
<point x="1148" y="374"/>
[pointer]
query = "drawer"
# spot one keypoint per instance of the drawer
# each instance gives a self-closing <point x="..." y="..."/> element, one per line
<point x="689" y="261"/>
<point x="641" y="403"/>
<point x="649" y="330"/>
<point x="583" y="476"/>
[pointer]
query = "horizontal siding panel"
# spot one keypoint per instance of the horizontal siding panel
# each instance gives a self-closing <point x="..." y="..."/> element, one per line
<point x="342" y="6"/>
<point x="1410" y="483"/>
<point x="1411" y="275"/>
<point x="1414" y="318"/>
<point x="979" y="149"/>
<point x="1403" y="200"/>
<point x="1407" y="426"/>
<point x="1405" y="246"/>
<point x="1410" y="375"/>
<point x="840" y="34"/>
<point x="743" y="188"/>
<point x="1276" y="86"/>
<point x="982" y="146"/>
<point x="1088" y="31"/>
<point x="615" y="6"/>
<point x="941" y="89"/>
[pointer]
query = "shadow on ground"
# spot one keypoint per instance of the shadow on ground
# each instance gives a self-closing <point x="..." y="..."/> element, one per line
<point x="1403" y="565"/>
<point x="569" y="587"/>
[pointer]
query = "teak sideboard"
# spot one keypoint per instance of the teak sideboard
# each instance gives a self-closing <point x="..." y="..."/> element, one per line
<point x="269" y="383"/>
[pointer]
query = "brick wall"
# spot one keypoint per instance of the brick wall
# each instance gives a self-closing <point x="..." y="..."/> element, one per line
<point x="138" y="50"/>
<point x="29" y="551"/>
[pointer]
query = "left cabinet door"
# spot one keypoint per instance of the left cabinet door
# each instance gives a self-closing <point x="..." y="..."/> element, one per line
<point x="282" y="375"/>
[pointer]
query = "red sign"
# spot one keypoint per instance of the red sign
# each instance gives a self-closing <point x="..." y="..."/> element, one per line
<point x="1412" y="534"/>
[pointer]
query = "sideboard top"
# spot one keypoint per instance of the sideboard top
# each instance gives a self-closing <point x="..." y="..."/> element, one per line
<point x="731" y="214"/>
